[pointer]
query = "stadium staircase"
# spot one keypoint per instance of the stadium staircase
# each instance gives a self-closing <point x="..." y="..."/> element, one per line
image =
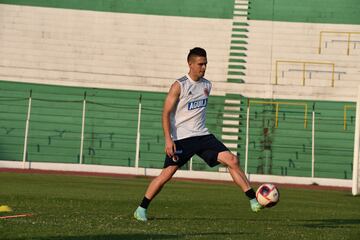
<point x="238" y="46"/>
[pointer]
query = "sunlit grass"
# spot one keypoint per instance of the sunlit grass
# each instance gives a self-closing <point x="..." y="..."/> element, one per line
<point x="85" y="207"/>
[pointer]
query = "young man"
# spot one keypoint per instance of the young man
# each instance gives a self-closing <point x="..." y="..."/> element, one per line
<point x="183" y="120"/>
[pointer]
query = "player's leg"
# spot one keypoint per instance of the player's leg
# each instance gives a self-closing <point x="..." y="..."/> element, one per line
<point x="153" y="189"/>
<point x="232" y="162"/>
<point x="214" y="152"/>
<point x="157" y="183"/>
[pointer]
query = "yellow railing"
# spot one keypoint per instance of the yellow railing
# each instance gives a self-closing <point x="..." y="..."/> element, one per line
<point x="277" y="109"/>
<point x="304" y="64"/>
<point x="334" y="32"/>
<point x="346" y="107"/>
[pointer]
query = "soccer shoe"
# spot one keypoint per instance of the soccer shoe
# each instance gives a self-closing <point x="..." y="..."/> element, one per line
<point x="140" y="214"/>
<point x="255" y="206"/>
<point x="5" y="208"/>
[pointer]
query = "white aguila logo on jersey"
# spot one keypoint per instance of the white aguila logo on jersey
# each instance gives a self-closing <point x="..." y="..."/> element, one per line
<point x="197" y="104"/>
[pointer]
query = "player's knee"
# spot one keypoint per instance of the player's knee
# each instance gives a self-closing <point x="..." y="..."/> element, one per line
<point x="166" y="175"/>
<point x="233" y="161"/>
<point x="160" y="181"/>
<point x="164" y="179"/>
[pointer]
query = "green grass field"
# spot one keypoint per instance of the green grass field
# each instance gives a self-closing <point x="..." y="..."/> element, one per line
<point x="88" y="207"/>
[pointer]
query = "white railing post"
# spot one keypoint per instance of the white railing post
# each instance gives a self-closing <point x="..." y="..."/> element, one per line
<point x="82" y="130"/>
<point x="27" y="129"/>
<point x="313" y="145"/>
<point x="247" y="137"/>
<point x="137" y="152"/>
<point x="355" y="174"/>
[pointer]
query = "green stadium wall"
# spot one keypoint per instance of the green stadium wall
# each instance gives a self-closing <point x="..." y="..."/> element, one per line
<point x="110" y="124"/>
<point x="183" y="8"/>
<point x="282" y="144"/>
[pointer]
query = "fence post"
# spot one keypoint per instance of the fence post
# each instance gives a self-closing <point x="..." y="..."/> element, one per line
<point x="247" y="137"/>
<point x="82" y="130"/>
<point x="27" y="129"/>
<point x="313" y="144"/>
<point x="137" y="152"/>
<point x="356" y="164"/>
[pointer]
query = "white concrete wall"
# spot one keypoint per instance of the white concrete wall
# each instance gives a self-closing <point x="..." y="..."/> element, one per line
<point x="102" y="49"/>
<point x="152" y="172"/>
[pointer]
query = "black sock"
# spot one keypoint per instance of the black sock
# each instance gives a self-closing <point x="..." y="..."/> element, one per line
<point x="145" y="203"/>
<point x="250" y="193"/>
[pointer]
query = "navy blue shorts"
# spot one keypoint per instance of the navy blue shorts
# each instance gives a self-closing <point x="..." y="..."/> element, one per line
<point x="207" y="147"/>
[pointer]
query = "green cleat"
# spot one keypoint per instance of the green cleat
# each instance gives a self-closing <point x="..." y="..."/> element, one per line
<point x="255" y="205"/>
<point x="140" y="214"/>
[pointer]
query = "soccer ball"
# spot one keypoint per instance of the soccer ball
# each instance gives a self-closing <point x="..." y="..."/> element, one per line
<point x="267" y="195"/>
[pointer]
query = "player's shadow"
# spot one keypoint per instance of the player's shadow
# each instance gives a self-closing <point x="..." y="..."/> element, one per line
<point x="132" y="236"/>
<point x="330" y="223"/>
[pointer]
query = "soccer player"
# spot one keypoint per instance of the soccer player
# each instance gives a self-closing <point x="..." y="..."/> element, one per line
<point x="183" y="121"/>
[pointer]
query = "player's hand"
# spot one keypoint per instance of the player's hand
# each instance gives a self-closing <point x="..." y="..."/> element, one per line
<point x="170" y="147"/>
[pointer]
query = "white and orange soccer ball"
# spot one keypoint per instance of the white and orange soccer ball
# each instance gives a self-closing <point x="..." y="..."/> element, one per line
<point x="267" y="195"/>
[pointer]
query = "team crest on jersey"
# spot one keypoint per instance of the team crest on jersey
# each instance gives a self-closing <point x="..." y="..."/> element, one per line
<point x="197" y="104"/>
<point x="206" y="92"/>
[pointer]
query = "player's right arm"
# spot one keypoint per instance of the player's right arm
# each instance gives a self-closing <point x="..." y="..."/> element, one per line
<point x="169" y="105"/>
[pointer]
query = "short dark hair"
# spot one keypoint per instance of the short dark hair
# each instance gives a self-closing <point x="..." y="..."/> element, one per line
<point x="196" y="52"/>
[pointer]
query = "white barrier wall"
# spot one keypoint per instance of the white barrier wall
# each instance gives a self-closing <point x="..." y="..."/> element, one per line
<point x="151" y="172"/>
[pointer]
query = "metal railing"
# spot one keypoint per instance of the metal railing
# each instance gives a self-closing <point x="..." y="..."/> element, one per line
<point x="348" y="38"/>
<point x="304" y="69"/>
